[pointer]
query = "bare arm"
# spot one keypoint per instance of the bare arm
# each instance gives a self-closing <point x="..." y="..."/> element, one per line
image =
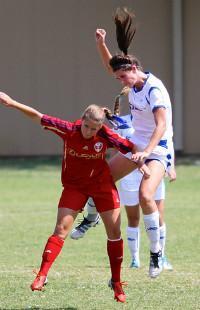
<point x="102" y="48"/>
<point x="160" y="120"/>
<point x="28" y="111"/>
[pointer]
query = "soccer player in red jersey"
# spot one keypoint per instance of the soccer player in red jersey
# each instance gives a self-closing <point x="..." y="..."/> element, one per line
<point x="85" y="173"/>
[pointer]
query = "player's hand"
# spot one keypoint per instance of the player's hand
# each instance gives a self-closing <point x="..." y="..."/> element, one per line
<point x="5" y="99"/>
<point x="140" y="156"/>
<point x="172" y="174"/>
<point x="100" y="35"/>
<point x="144" y="169"/>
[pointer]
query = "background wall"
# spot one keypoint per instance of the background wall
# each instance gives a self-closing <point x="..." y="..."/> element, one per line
<point x="191" y="66"/>
<point x="48" y="59"/>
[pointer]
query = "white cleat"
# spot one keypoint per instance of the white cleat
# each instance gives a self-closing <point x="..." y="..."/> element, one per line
<point x="135" y="263"/>
<point x="166" y="265"/>
<point x="80" y="230"/>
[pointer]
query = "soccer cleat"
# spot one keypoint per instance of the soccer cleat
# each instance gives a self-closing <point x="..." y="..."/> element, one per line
<point x="119" y="294"/>
<point x="165" y="264"/>
<point x="39" y="283"/>
<point x="155" y="266"/>
<point x="135" y="263"/>
<point x="80" y="230"/>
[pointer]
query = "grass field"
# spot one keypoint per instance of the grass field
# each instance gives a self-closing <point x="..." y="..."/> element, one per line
<point x="29" y="191"/>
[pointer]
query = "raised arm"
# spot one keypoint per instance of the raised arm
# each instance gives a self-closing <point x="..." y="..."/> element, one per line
<point x="28" y="111"/>
<point x="104" y="52"/>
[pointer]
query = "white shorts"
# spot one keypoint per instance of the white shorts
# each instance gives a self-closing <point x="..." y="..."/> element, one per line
<point x="129" y="189"/>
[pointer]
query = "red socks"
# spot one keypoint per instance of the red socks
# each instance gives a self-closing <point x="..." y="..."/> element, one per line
<point x="115" y="253"/>
<point x="54" y="246"/>
<point x="52" y="249"/>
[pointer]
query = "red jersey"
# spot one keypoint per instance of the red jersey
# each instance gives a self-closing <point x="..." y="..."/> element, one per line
<point x="84" y="160"/>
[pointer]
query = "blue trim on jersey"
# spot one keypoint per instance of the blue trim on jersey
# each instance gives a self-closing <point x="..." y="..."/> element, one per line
<point x="169" y="156"/>
<point x="119" y="123"/>
<point x="125" y="126"/>
<point x="136" y="90"/>
<point x="150" y="159"/>
<point x="157" y="107"/>
<point x="147" y="100"/>
<point x="163" y="143"/>
<point x="152" y="88"/>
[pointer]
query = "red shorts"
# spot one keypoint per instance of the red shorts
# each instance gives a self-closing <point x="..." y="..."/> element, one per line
<point x="105" y="197"/>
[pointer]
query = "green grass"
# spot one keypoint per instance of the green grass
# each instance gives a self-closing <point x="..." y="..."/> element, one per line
<point x="29" y="192"/>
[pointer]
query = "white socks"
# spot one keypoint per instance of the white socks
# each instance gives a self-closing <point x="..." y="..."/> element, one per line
<point x="133" y="238"/>
<point x="91" y="209"/>
<point x="163" y="238"/>
<point x="151" y="223"/>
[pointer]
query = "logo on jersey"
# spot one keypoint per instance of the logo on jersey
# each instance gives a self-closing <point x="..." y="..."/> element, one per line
<point x="133" y="107"/>
<point x="73" y="153"/>
<point x="85" y="147"/>
<point x="98" y="146"/>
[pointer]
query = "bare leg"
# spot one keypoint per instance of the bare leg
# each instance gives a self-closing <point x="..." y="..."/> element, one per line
<point x="120" y="166"/>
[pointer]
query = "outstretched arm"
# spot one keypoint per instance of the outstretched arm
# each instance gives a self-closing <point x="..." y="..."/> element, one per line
<point x="104" y="52"/>
<point x="28" y="111"/>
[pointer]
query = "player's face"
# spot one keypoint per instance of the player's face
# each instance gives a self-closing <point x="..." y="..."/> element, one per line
<point x="89" y="128"/>
<point x="127" y="78"/>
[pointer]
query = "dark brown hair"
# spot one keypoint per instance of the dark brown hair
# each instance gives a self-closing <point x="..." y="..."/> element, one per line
<point x="125" y="31"/>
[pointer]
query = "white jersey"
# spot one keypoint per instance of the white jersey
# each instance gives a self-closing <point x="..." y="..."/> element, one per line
<point x="142" y="104"/>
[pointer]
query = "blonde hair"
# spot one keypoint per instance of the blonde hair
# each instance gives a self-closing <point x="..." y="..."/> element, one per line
<point x="95" y="113"/>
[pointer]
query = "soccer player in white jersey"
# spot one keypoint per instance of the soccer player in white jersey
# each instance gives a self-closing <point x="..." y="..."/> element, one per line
<point x="151" y="110"/>
<point x="129" y="197"/>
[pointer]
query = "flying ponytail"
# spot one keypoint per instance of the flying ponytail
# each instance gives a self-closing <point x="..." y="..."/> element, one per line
<point x="125" y="30"/>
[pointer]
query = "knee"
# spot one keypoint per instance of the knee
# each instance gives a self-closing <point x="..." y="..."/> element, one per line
<point x="145" y="198"/>
<point x="133" y="221"/>
<point x="61" y="231"/>
<point x="114" y="233"/>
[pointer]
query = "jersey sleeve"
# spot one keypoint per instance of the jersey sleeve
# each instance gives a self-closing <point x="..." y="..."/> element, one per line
<point x="56" y="125"/>
<point x="156" y="98"/>
<point x="114" y="140"/>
